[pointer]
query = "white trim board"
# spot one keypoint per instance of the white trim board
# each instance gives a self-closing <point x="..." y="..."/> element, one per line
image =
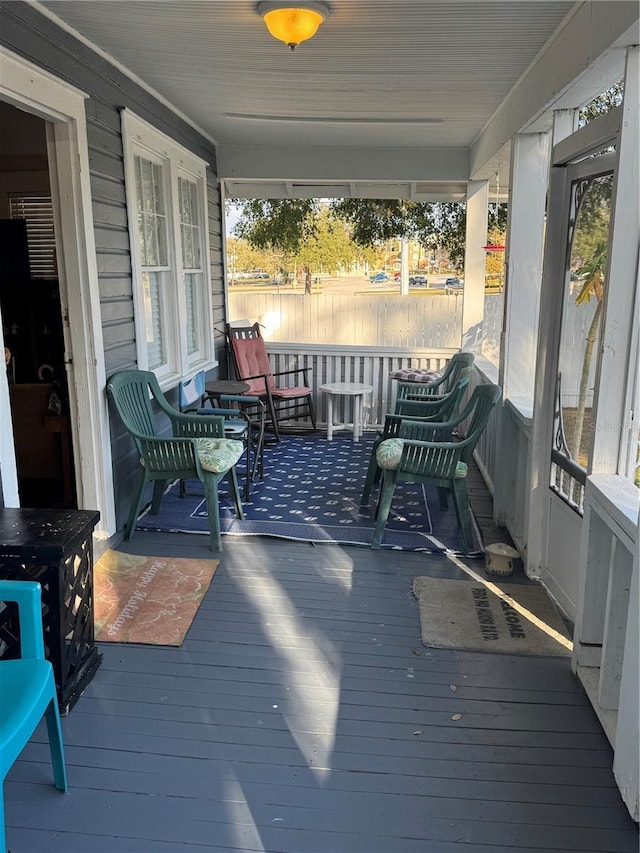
<point x="28" y="87"/>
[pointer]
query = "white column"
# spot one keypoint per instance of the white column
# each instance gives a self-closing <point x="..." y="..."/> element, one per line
<point x="619" y="341"/>
<point x="404" y="267"/>
<point x="474" y="264"/>
<point x="536" y="522"/>
<point x="529" y="175"/>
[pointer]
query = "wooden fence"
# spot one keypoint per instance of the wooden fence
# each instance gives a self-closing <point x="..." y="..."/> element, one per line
<point x="423" y="321"/>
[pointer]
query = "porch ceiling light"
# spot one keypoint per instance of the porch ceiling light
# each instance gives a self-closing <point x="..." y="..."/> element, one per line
<point x="291" y="22"/>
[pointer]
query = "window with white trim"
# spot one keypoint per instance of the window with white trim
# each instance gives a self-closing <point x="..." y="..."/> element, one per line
<point x="166" y="197"/>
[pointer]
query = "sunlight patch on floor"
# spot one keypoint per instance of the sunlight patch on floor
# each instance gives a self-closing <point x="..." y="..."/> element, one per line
<point x="323" y="700"/>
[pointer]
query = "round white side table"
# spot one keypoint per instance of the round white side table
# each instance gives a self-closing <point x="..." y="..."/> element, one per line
<point x="356" y="390"/>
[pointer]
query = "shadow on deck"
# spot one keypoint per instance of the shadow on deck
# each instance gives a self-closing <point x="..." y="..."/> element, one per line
<point x="302" y="714"/>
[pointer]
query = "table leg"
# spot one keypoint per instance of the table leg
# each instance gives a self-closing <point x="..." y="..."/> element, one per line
<point x="357" y="417"/>
<point x="329" y="417"/>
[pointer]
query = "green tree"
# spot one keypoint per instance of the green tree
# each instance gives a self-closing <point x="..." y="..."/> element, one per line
<point x="435" y="225"/>
<point x="279" y="224"/>
<point x="287" y="224"/>
<point x="330" y="246"/>
<point x="592" y="275"/>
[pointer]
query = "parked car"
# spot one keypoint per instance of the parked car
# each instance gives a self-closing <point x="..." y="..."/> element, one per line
<point x="418" y="281"/>
<point x="378" y="278"/>
<point x="452" y="284"/>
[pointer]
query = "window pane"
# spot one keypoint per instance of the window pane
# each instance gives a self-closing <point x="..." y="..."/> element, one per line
<point x="154" y="320"/>
<point x="191" y="282"/>
<point x="189" y="224"/>
<point x="152" y="219"/>
<point x="582" y="317"/>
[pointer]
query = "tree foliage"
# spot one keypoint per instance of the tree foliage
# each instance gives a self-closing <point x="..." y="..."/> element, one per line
<point x="602" y="104"/>
<point x="289" y="224"/>
<point x="281" y="224"/>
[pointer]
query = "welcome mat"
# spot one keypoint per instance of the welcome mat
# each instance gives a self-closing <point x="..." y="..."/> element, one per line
<point x="311" y="493"/>
<point x="461" y="614"/>
<point x="147" y="599"/>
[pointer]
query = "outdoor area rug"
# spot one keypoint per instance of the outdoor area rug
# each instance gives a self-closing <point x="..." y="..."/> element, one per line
<point x="465" y="614"/>
<point x="311" y="493"/>
<point x="147" y="599"/>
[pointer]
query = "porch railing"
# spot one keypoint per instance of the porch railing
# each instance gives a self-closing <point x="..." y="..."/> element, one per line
<point x="605" y="656"/>
<point x="372" y="366"/>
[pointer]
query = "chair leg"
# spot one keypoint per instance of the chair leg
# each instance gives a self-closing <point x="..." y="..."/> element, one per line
<point x="272" y="414"/>
<point x="213" y="510"/>
<point x="54" y="729"/>
<point x="443" y="498"/>
<point x="382" y="511"/>
<point x="233" y="480"/>
<point x="135" y="507"/>
<point x="461" y="502"/>
<point x="312" y="412"/>
<point x="373" y="474"/>
<point x="158" y="491"/>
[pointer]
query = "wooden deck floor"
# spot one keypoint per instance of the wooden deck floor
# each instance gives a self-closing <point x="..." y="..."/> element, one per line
<point x="302" y="715"/>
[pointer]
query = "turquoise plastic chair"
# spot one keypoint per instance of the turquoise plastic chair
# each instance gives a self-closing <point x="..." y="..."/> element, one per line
<point x="27" y="690"/>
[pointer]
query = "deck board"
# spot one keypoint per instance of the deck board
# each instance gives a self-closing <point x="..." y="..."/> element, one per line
<point x="287" y="723"/>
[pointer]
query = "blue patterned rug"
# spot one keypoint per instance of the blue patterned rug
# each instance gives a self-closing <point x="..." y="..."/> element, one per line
<point x="311" y="493"/>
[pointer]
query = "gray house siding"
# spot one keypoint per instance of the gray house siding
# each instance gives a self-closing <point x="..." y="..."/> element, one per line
<point x="26" y="32"/>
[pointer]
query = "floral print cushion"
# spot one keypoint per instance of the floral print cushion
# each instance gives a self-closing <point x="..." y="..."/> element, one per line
<point x="218" y="454"/>
<point x="418" y="374"/>
<point x="389" y="453"/>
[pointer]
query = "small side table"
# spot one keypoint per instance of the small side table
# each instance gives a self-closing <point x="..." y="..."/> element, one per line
<point x="216" y="387"/>
<point x="55" y="548"/>
<point x="356" y="390"/>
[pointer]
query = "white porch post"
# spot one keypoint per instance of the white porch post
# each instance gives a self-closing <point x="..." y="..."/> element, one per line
<point x="529" y="171"/>
<point x="548" y="319"/>
<point x="529" y="177"/>
<point x="613" y="429"/>
<point x="474" y="264"/>
<point x="404" y="267"/>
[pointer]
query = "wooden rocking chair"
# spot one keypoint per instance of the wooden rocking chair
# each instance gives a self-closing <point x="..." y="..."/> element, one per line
<point x="251" y="363"/>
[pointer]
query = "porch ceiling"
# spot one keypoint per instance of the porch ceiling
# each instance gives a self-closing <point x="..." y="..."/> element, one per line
<point x="388" y="91"/>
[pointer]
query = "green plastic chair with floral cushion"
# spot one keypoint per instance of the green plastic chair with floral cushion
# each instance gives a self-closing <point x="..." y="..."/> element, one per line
<point x="195" y="448"/>
<point x="435" y="409"/>
<point x="429" y="453"/>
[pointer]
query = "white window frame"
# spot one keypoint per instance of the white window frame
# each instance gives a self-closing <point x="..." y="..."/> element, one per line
<point x="142" y="139"/>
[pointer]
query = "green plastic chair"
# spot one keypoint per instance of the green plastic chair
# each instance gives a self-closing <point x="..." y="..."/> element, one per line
<point x="435" y="409"/>
<point x="197" y="447"/>
<point x="459" y="366"/>
<point x="27" y="690"/>
<point x="426" y="453"/>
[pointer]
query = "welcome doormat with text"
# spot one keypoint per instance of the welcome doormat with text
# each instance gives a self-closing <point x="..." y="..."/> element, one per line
<point x="147" y="599"/>
<point x="466" y="614"/>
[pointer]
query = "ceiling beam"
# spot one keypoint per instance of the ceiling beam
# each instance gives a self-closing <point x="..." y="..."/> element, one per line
<point x="306" y="163"/>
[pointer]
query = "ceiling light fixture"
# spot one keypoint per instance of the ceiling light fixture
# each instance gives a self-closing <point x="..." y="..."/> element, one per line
<point x="293" y="23"/>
